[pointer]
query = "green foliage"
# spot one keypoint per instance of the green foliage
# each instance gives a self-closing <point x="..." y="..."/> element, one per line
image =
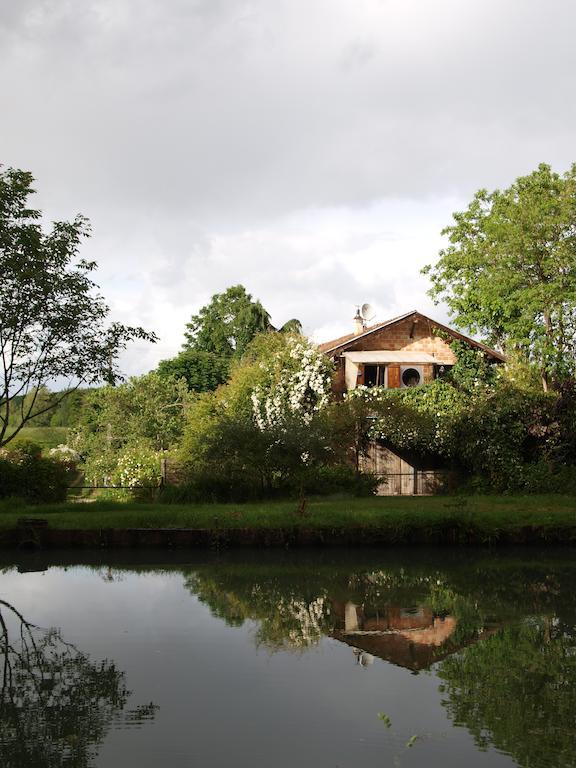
<point x="505" y="429"/>
<point x="516" y="691"/>
<point x="268" y="430"/>
<point x="504" y="437"/>
<point x="202" y="371"/>
<point x="227" y="324"/>
<point x="509" y="272"/>
<point x="419" y="419"/>
<point x="145" y="411"/>
<point x="472" y="368"/>
<point x="52" y="320"/>
<point x="25" y="473"/>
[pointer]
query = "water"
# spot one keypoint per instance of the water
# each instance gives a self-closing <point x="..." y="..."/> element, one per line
<point x="325" y="659"/>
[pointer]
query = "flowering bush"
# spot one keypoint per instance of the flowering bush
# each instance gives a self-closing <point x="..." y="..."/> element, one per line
<point x="421" y="419"/>
<point x="66" y="455"/>
<point x="268" y="431"/>
<point x="138" y="471"/>
<point x="295" y="385"/>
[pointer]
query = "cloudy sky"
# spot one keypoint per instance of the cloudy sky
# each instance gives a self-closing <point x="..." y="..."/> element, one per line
<point x="309" y="149"/>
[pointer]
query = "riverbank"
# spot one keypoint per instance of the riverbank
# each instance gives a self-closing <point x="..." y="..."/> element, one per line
<point x="365" y="521"/>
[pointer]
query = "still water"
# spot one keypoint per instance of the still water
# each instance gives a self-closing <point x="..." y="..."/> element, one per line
<point x="322" y="659"/>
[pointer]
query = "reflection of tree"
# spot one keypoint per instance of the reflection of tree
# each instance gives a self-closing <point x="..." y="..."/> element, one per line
<point x="290" y="614"/>
<point x="294" y="609"/>
<point x="517" y="691"/>
<point x="56" y="705"/>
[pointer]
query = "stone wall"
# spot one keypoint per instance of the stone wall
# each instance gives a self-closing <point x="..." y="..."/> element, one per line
<point x="410" y="335"/>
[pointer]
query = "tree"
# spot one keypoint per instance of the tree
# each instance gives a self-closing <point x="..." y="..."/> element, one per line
<point x="516" y="691"/>
<point x="144" y="413"/>
<point x="56" y="704"/>
<point x="202" y="371"/>
<point x="52" y="320"/>
<point x="227" y="325"/>
<point x="509" y="271"/>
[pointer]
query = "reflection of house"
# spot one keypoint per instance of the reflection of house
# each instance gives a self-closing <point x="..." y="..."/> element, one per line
<point x="407" y="351"/>
<point x="411" y="637"/>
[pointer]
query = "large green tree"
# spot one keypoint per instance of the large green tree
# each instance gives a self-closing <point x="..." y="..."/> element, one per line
<point x="202" y="371"/>
<point x="509" y="271"/>
<point x="52" y="319"/>
<point x="229" y="322"/>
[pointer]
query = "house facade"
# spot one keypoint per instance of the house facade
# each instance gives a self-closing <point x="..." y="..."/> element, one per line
<point x="406" y="351"/>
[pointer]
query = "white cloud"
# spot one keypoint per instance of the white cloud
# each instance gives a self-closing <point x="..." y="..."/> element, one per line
<point x="310" y="149"/>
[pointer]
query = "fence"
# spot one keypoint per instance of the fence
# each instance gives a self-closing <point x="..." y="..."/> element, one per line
<point x="413" y="483"/>
<point x="399" y="476"/>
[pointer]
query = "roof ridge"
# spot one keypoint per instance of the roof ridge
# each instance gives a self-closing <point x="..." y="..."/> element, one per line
<point x="333" y="344"/>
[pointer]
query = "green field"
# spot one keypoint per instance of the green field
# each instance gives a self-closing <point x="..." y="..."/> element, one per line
<point x="486" y="514"/>
<point x="46" y="437"/>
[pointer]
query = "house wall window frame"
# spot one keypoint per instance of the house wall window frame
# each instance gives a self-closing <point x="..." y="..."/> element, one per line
<point x="375" y="375"/>
<point x="405" y="376"/>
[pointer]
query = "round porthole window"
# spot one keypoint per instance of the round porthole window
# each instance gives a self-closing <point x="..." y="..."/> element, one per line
<point x="411" y="377"/>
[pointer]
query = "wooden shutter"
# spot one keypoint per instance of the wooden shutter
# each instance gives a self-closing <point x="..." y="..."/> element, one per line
<point x="393" y="376"/>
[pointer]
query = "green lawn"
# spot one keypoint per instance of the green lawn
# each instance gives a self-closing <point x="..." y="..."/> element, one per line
<point x="46" y="437"/>
<point x="486" y="513"/>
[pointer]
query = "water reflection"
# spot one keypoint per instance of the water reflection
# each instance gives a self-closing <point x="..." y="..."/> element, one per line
<point x="488" y="640"/>
<point x="500" y="635"/>
<point x="517" y="691"/>
<point x="56" y="704"/>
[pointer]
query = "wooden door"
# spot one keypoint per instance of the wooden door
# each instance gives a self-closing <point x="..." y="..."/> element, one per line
<point x="393" y="376"/>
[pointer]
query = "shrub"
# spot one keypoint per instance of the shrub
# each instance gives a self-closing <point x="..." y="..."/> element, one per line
<point x="24" y="472"/>
<point x="138" y="471"/>
<point x="339" y="478"/>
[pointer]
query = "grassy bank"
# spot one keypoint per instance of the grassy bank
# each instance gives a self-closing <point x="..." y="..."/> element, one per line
<point x="45" y="437"/>
<point x="486" y="514"/>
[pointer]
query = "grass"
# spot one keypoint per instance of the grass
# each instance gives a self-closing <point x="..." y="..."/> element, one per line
<point x="46" y="437"/>
<point x="488" y="514"/>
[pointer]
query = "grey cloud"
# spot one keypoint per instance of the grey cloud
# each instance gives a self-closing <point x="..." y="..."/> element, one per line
<point x="246" y="108"/>
<point x="180" y="126"/>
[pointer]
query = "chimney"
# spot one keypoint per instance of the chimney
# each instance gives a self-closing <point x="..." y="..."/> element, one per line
<point x="358" y="323"/>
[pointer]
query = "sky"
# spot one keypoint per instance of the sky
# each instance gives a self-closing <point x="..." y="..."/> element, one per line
<point x="312" y="150"/>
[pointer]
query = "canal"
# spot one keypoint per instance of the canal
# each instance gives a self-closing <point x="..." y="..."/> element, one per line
<point x="328" y="659"/>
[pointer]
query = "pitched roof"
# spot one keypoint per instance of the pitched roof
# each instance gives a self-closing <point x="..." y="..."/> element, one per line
<point x="342" y="342"/>
<point x="328" y="346"/>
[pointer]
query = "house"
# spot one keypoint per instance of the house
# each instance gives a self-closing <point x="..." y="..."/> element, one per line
<point x="413" y="637"/>
<point x="407" y="351"/>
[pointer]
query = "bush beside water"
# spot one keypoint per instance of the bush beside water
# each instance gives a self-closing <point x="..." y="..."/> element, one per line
<point x="26" y="474"/>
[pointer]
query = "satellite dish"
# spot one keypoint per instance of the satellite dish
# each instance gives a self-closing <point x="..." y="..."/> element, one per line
<point x="367" y="312"/>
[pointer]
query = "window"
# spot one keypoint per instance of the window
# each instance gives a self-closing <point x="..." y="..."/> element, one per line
<point x="411" y="377"/>
<point x="374" y="375"/>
